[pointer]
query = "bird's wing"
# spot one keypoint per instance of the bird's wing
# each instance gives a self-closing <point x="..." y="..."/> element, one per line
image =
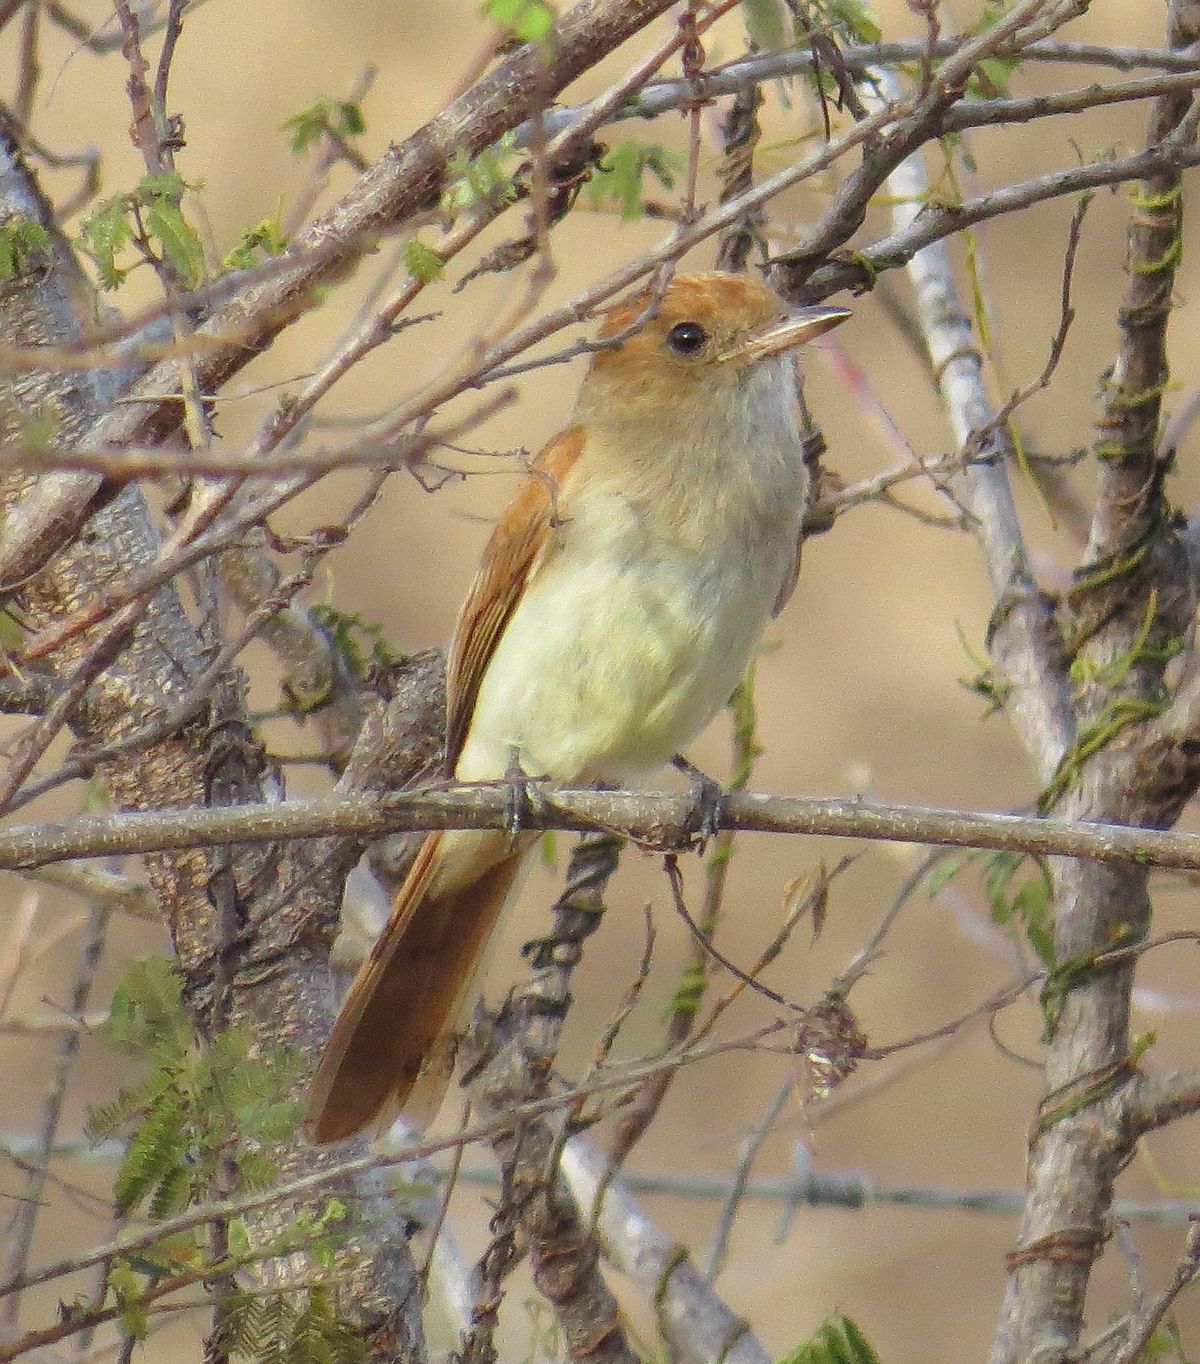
<point x="788" y="586"/>
<point x="513" y="555"/>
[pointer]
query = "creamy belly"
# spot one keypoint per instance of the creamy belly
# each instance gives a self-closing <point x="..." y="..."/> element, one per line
<point x="624" y="647"/>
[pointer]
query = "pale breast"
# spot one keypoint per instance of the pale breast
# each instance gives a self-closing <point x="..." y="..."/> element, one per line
<point x="643" y="614"/>
<point x="625" y="644"/>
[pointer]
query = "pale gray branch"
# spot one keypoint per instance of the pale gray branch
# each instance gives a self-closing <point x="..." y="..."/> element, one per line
<point x="1023" y="641"/>
<point x="656" y="819"/>
<point x="697" y="1325"/>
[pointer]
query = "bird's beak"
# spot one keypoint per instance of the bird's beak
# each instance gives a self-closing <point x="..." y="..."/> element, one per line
<point x="800" y="325"/>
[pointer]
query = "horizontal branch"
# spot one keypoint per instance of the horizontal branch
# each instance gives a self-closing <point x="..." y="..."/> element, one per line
<point x="852" y="1193"/>
<point x="138" y="462"/>
<point x="657" y="819"/>
<point x="937" y="221"/>
<point x="660" y="97"/>
<point x="132" y="1239"/>
<point x="663" y="97"/>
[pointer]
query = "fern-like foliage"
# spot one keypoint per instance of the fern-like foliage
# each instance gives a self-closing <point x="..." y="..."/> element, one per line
<point x="276" y="1330"/>
<point x="206" y="1108"/>
<point x="202" y="1124"/>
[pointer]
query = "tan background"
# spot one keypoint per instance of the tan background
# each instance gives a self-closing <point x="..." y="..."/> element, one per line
<point x="860" y="696"/>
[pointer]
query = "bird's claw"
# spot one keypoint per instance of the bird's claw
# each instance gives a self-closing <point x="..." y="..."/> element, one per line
<point x="521" y="797"/>
<point x="709" y="797"/>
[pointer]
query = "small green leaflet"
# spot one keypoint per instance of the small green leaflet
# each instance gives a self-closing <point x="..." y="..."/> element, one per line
<point x="839" y="1341"/>
<point x="257" y="243"/>
<point x="154" y="203"/>
<point x="483" y="179"/>
<point x="341" y="117"/>
<point x="859" y="20"/>
<point x="103" y="235"/>
<point x="622" y="172"/>
<point x="529" y="20"/>
<point x="766" y="23"/>
<point x="422" y="262"/>
<point x="178" y="241"/>
<point x="20" y="238"/>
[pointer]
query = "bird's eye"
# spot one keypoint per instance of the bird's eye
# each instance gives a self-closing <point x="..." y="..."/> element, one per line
<point x="687" y="338"/>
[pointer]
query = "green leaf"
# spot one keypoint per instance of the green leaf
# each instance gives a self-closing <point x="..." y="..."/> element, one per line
<point x="990" y="78"/>
<point x="156" y="1153"/>
<point x="941" y="876"/>
<point x="40" y="428"/>
<point x="177" y="239"/>
<point x="170" y="185"/>
<point x="839" y="1341"/>
<point x="12" y="631"/>
<point x="1165" y="1343"/>
<point x="360" y="643"/>
<point x="258" y="1170"/>
<point x="484" y="179"/>
<point x="530" y="21"/>
<point x="1042" y="942"/>
<point x="20" y="239"/>
<point x="147" y="1012"/>
<point x="342" y="117"/>
<point x="1000" y="869"/>
<point x="349" y="121"/>
<point x="767" y="24"/>
<point x="172" y="1194"/>
<point x="858" y="20"/>
<point x="1029" y="903"/>
<point x="103" y="234"/>
<point x="305" y="127"/>
<point x="422" y="262"/>
<point x="127" y="1290"/>
<point x="257" y="243"/>
<point x="623" y="170"/>
<point x="548" y="850"/>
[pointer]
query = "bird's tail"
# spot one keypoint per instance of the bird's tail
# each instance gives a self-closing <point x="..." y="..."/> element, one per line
<point x="392" y="1045"/>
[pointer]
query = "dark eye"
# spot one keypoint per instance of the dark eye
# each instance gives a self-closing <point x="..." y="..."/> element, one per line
<point x="687" y="338"/>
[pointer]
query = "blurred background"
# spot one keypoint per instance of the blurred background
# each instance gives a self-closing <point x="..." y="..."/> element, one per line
<point x="860" y="691"/>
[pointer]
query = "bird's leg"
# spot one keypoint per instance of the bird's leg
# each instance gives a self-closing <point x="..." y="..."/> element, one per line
<point x="709" y="796"/>
<point x="521" y="796"/>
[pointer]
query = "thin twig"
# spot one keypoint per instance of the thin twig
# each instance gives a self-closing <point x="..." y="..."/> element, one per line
<point x="20" y="1236"/>
<point x="751" y="1145"/>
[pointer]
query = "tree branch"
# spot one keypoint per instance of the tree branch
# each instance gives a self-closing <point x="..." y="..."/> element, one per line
<point x="192" y="765"/>
<point x="408" y="177"/>
<point x="1023" y="641"/>
<point x="656" y="819"/>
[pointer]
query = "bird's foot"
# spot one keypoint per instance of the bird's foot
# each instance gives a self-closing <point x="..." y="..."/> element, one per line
<point x="521" y="796"/>
<point x="709" y="796"/>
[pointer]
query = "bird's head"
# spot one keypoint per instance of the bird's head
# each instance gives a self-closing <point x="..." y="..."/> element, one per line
<point x="708" y="337"/>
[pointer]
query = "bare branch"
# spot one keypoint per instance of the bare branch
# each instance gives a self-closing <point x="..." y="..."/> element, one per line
<point x="691" y="1318"/>
<point x="1145" y="1322"/>
<point x="1023" y="639"/>
<point x="405" y="179"/>
<point x="658" y="820"/>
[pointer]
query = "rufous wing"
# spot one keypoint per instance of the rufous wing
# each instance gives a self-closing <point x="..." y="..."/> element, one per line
<point x="514" y="553"/>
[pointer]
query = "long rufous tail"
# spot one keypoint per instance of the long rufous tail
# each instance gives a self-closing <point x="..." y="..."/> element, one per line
<point x="391" y="1047"/>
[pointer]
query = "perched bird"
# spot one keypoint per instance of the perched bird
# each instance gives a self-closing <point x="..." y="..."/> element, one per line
<point x="617" y="605"/>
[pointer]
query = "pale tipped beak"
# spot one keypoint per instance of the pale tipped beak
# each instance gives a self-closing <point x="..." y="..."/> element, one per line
<point x="799" y="326"/>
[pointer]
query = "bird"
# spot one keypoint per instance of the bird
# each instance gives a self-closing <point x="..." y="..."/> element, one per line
<point x="617" y="604"/>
